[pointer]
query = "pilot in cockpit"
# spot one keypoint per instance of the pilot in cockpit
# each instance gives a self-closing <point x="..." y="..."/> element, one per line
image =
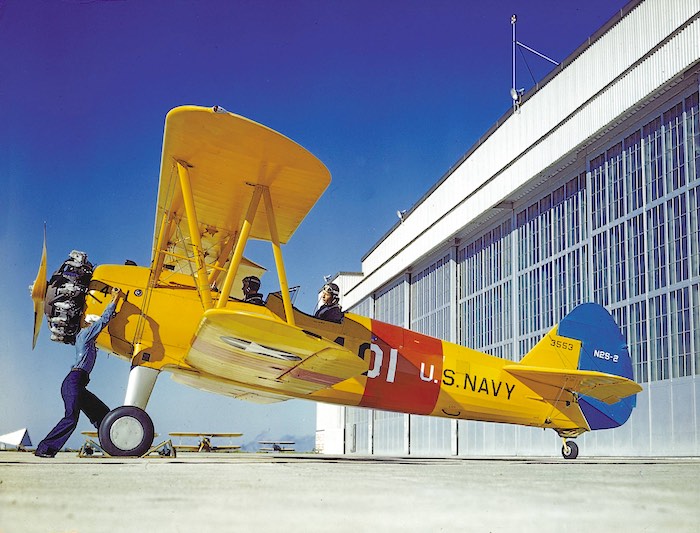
<point x="330" y="309"/>
<point x="251" y="286"/>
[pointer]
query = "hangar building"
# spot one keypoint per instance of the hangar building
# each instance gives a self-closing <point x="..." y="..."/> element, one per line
<point x="590" y="191"/>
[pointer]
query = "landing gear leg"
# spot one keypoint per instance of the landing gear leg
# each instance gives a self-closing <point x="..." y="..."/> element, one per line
<point x="128" y="430"/>
<point x="141" y="382"/>
<point x="570" y="449"/>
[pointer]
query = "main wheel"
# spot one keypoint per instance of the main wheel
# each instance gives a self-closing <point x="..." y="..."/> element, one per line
<point x="126" y="431"/>
<point x="569" y="450"/>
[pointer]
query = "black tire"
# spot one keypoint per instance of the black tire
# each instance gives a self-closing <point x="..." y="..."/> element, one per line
<point x="126" y="431"/>
<point x="570" y="450"/>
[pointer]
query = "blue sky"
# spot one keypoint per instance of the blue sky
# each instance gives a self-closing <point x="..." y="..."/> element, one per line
<point x="388" y="94"/>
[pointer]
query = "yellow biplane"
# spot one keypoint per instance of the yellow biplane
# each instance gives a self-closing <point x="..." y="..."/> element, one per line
<point x="205" y="442"/>
<point x="277" y="445"/>
<point x="225" y="179"/>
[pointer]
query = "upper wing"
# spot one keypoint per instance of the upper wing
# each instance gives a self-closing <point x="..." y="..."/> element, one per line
<point x="227" y="156"/>
<point x="605" y="387"/>
<point x="260" y="351"/>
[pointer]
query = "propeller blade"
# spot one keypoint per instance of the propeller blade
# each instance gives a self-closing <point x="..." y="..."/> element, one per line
<point x="38" y="289"/>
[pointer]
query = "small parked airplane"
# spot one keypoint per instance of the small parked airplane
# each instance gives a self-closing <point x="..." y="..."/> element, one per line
<point x="277" y="445"/>
<point x="225" y="179"/>
<point x="204" y="444"/>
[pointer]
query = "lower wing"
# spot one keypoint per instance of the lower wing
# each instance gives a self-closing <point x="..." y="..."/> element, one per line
<point x="257" y="350"/>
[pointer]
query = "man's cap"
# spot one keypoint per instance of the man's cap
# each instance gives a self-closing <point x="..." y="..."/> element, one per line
<point x="252" y="281"/>
<point x="332" y="289"/>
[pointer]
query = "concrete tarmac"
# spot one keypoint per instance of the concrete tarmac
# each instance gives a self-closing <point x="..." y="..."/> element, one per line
<point x="307" y="492"/>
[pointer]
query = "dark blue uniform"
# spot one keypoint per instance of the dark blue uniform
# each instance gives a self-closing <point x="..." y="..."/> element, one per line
<point x="75" y="395"/>
<point x="254" y="298"/>
<point x="331" y="313"/>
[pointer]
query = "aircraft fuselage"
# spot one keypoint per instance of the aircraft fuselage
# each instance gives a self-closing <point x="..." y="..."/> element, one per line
<point x="402" y="370"/>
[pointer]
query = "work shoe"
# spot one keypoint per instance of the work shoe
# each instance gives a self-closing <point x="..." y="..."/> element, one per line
<point x="44" y="454"/>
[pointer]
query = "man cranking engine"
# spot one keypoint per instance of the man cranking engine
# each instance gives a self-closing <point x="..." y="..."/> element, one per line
<point x="65" y="297"/>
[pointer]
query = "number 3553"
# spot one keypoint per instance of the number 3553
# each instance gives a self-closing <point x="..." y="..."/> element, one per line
<point x="563" y="345"/>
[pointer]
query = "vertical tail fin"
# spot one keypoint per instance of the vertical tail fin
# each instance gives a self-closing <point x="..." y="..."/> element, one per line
<point x="588" y="339"/>
<point x="603" y="349"/>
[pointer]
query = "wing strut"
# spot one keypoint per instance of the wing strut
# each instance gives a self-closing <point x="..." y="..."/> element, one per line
<point x="166" y="227"/>
<point x="240" y="246"/>
<point x="264" y="191"/>
<point x="279" y="262"/>
<point x="202" y="278"/>
<point x="221" y="261"/>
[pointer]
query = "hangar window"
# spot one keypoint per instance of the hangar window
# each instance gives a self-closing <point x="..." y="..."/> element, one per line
<point x="601" y="275"/>
<point x="680" y="332"/>
<point x="430" y="299"/>
<point x="658" y="314"/>
<point x="653" y="159"/>
<point x="618" y="263"/>
<point x="547" y="299"/>
<point x="616" y="182"/>
<point x="484" y="310"/>
<point x="576" y="219"/>
<point x="363" y="308"/>
<point x="656" y="246"/>
<point x="637" y="254"/>
<point x="675" y="147"/>
<point x="599" y="192"/>
<point x="693" y="136"/>
<point x="695" y="289"/>
<point x="578" y="276"/>
<point x="633" y="171"/>
<point x="638" y="341"/>
<point x="694" y="239"/>
<point x="561" y="282"/>
<point x="389" y="305"/>
<point x="676" y="209"/>
<point x="559" y="226"/>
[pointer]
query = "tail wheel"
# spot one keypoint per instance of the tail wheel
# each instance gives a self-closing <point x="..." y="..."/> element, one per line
<point x="126" y="431"/>
<point x="569" y="450"/>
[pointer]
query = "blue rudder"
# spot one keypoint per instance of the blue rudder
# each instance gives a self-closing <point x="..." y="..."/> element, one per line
<point x="603" y="349"/>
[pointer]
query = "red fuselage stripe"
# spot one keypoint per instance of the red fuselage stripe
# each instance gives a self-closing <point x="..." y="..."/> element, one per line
<point x="405" y="370"/>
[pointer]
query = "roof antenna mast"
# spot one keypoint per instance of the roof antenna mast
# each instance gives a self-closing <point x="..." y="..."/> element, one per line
<point x="517" y="94"/>
<point x="514" y="93"/>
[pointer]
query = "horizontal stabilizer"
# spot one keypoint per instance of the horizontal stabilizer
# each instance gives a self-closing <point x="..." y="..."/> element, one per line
<point x="604" y="387"/>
